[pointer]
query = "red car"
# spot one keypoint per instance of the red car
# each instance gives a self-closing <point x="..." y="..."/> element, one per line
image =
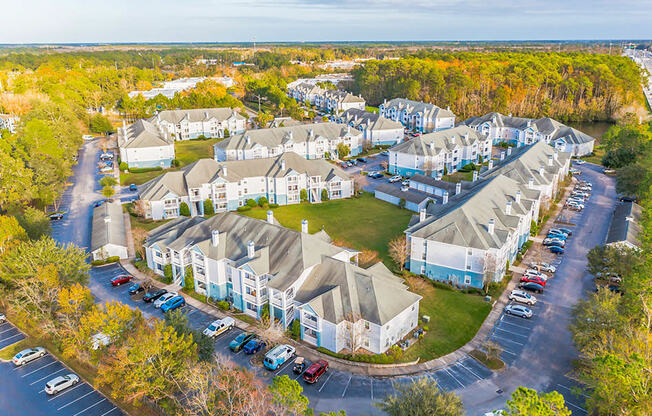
<point x="315" y="371"/>
<point x="533" y="279"/>
<point x="118" y="280"/>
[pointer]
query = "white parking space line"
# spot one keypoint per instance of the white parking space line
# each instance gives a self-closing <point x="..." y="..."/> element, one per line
<point x="39" y="358"/>
<point x="90" y="407"/>
<point x="191" y="312"/>
<point x="509" y="352"/>
<point x="571" y="390"/>
<point x="40" y="368"/>
<point x="49" y="375"/>
<point x="372" y="389"/>
<point x="7" y="330"/>
<point x="76" y="400"/>
<point x="513" y="333"/>
<point x="67" y="391"/>
<point x="516" y="325"/>
<point x="470" y="371"/>
<point x="576" y="406"/>
<point x="347" y="386"/>
<point x="7" y="339"/>
<point x="509" y="340"/>
<point x="328" y="378"/>
<point x="285" y="365"/>
<point x="454" y="378"/>
<point x="3" y="325"/>
<point x="109" y="411"/>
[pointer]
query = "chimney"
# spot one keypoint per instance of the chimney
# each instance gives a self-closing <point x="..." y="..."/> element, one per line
<point x="541" y="169"/>
<point x="448" y="108"/>
<point x="490" y="226"/>
<point x="251" y="249"/>
<point x="475" y="177"/>
<point x="466" y="136"/>
<point x="508" y="208"/>
<point x="529" y="123"/>
<point x="124" y="124"/>
<point x="453" y="139"/>
<point x="304" y="226"/>
<point x="270" y="216"/>
<point x="550" y="157"/>
<point x="290" y="134"/>
<point x="490" y="164"/>
<point x="509" y="151"/>
<point x="432" y="146"/>
<point x="282" y="164"/>
<point x="215" y="238"/>
<point x="556" y="154"/>
<point x="311" y="133"/>
<point x="458" y="186"/>
<point x="422" y="214"/>
<point x="530" y="184"/>
<point x="107" y="219"/>
<point x="205" y="114"/>
<point x="248" y="138"/>
<point x="502" y="155"/>
<point x="444" y="199"/>
<point x="518" y="197"/>
<point x="224" y="172"/>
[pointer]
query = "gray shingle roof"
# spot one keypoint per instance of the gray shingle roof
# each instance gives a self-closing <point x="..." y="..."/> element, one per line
<point x="108" y="226"/>
<point x="371" y="121"/>
<point x="410" y="195"/>
<point x="195" y="115"/>
<point x="445" y="140"/>
<point x="625" y="225"/>
<point x="142" y="133"/>
<point x="413" y="107"/>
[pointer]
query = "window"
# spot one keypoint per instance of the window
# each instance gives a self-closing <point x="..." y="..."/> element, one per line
<point x="467" y="280"/>
<point x="469" y="252"/>
<point x="366" y="325"/>
<point x="468" y="267"/>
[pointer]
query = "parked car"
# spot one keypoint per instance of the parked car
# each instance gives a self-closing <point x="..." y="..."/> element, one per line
<point x="518" y="310"/>
<point x="164" y="298"/>
<point x="136" y="288"/>
<point x="556" y="250"/>
<point x="628" y="199"/>
<point x="404" y="188"/>
<point x="241" y="340"/>
<point x="28" y="355"/>
<point x="353" y="162"/>
<point x="219" y="326"/>
<point x="61" y="383"/>
<point x="566" y="230"/>
<point x="362" y="160"/>
<point x="575" y="171"/>
<point x="99" y="203"/>
<point x="174" y="303"/>
<point x="543" y="266"/>
<point x="133" y="187"/>
<point x="56" y="216"/>
<point x="3" y="318"/>
<point x="580" y="161"/>
<point x="106" y="169"/>
<point x="349" y="164"/>
<point x="553" y="242"/>
<point x="253" y="346"/>
<point x="316" y="370"/>
<point x="377" y="175"/>
<point x="533" y="272"/>
<point x="121" y="279"/>
<point x="522" y="296"/>
<point x="384" y="153"/>
<point x="561" y="237"/>
<point x="609" y="171"/>
<point x="406" y="182"/>
<point x="344" y="165"/>
<point x="394" y="179"/>
<point x="152" y="296"/>
<point x="576" y="207"/>
<point x="107" y="156"/>
<point x="533" y="279"/>
<point x="531" y="287"/>
<point x="278" y="356"/>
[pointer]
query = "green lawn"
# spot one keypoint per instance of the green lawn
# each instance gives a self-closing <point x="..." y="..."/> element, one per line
<point x="188" y="151"/>
<point x="139" y="222"/>
<point x="458" y="177"/>
<point x="140" y="178"/>
<point x="596" y="157"/>
<point x="455" y="317"/>
<point x="371" y="109"/>
<point x="363" y="222"/>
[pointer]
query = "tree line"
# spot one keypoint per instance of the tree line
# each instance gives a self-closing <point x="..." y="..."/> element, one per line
<point x="565" y="86"/>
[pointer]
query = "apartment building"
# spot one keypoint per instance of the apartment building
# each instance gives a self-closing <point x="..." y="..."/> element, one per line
<point x="376" y="129"/>
<point x="9" y="122"/>
<point x="145" y="145"/>
<point x="417" y="116"/>
<point x="228" y="185"/>
<point x="206" y="122"/>
<point x="327" y="100"/>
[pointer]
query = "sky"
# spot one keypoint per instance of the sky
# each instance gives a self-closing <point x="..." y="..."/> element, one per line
<point x="76" y="21"/>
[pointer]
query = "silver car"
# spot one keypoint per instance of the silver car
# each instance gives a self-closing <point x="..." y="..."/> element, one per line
<point x="3" y="318"/>
<point x="160" y="301"/>
<point x="522" y="296"/>
<point x="28" y="355"/>
<point x="518" y="310"/>
<point x="61" y="383"/>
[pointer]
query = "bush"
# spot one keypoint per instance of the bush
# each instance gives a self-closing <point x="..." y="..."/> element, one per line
<point x="112" y="259"/>
<point x="209" y="208"/>
<point x="296" y="329"/>
<point x="401" y="203"/>
<point x="184" y="209"/>
<point x="223" y="305"/>
<point x="273" y="205"/>
<point x="363" y="358"/>
<point x="108" y="181"/>
<point x="123" y="166"/>
<point x="303" y="195"/>
<point x="142" y="170"/>
<point x="252" y="203"/>
<point x="167" y="273"/>
<point x="324" y="195"/>
<point x="189" y="280"/>
<point x="176" y="163"/>
<point x="262" y="201"/>
<point x="244" y="208"/>
<point x="227" y="133"/>
<point x="141" y="265"/>
<point x="426" y="328"/>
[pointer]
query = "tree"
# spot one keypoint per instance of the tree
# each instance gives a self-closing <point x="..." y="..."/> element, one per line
<point x="629" y="179"/>
<point x="492" y="349"/>
<point x="178" y="320"/>
<point x="368" y="258"/>
<point x="209" y="208"/>
<point x="527" y="402"/>
<point x="399" y="251"/>
<point x="286" y="395"/>
<point x="184" y="210"/>
<point x="35" y="223"/>
<point x="139" y="235"/>
<point x="359" y="183"/>
<point x="303" y="195"/>
<point x="263" y="119"/>
<point x="324" y="194"/>
<point x="421" y="398"/>
<point x="343" y="150"/>
<point x="140" y="208"/>
<point x="262" y="201"/>
<point x="108" y="191"/>
<point x="401" y="203"/>
<point x="108" y="181"/>
<point x="167" y="273"/>
<point x="355" y="332"/>
<point x="100" y="124"/>
<point x="10" y="233"/>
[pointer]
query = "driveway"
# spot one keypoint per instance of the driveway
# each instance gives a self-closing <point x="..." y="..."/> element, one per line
<point x="538" y="352"/>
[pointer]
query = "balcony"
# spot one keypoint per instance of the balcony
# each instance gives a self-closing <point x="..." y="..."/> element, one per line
<point x="250" y="281"/>
<point x="195" y="195"/>
<point x="310" y="322"/>
<point x="250" y="298"/>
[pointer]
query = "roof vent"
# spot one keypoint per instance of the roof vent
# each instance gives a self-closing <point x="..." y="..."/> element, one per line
<point x="444" y="198"/>
<point x="251" y="249"/>
<point x="283" y="164"/>
<point x="107" y="219"/>
<point x="490" y="226"/>
<point x="422" y="214"/>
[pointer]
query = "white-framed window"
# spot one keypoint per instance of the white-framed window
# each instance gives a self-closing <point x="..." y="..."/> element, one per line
<point x="467" y="280"/>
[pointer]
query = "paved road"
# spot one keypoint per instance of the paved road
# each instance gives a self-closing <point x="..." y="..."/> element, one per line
<point x="539" y="352"/>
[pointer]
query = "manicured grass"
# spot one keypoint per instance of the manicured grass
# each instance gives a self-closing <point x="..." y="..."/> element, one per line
<point x="147" y="224"/>
<point x="596" y="157"/>
<point x="491" y="363"/>
<point x="371" y="109"/>
<point x="188" y="151"/>
<point x="458" y="177"/>
<point x="455" y="317"/>
<point x="140" y="178"/>
<point x="363" y="222"/>
<point x="8" y="352"/>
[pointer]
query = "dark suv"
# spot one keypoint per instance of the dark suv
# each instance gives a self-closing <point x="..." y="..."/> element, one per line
<point x="315" y="371"/>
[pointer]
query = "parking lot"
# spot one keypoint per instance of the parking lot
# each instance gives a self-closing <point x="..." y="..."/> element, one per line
<point x="22" y="392"/>
<point x="9" y="335"/>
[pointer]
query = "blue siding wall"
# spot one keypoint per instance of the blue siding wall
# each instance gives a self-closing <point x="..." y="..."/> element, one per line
<point x="446" y="274"/>
<point x="397" y="170"/>
<point x="151" y="163"/>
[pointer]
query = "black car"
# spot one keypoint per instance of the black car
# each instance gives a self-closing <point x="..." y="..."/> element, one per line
<point x="136" y="288"/>
<point x="362" y="160"/>
<point x="56" y="216"/>
<point x="627" y="199"/>
<point x="152" y="296"/>
<point x="99" y="203"/>
<point x="532" y="287"/>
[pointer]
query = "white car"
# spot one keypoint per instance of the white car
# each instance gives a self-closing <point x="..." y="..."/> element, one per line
<point x="580" y="162"/>
<point x="395" y="179"/>
<point x="518" y="310"/>
<point x="61" y="383"/>
<point x="546" y="267"/>
<point x="406" y="182"/>
<point x="532" y="272"/>
<point x="3" y="318"/>
<point x="106" y="169"/>
<point x="219" y="326"/>
<point x="28" y="355"/>
<point x="522" y="297"/>
<point x="160" y="301"/>
<point x="404" y="188"/>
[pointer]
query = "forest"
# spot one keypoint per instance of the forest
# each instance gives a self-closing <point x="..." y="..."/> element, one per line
<point x="565" y="86"/>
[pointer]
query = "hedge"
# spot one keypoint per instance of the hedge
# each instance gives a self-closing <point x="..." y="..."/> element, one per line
<point x="112" y="259"/>
<point x="143" y="170"/>
<point x="361" y="358"/>
<point x="244" y="208"/>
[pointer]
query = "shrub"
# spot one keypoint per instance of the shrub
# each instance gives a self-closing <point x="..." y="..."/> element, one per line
<point x="244" y="208"/>
<point x="223" y="305"/>
<point x="303" y="195"/>
<point x="262" y="201"/>
<point x="167" y="273"/>
<point x="227" y="133"/>
<point x="324" y="195"/>
<point x="401" y="203"/>
<point x="296" y="329"/>
<point x="112" y="259"/>
<point x="176" y="163"/>
<point x="273" y="205"/>
<point x="123" y="166"/>
<point x="209" y="208"/>
<point x="141" y="265"/>
<point x="426" y="328"/>
<point x="184" y="209"/>
<point x="189" y="280"/>
<point x="108" y="181"/>
<point x="252" y="203"/>
<point x="144" y="170"/>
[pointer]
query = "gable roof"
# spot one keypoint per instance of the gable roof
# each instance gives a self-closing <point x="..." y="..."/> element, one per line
<point x="141" y="134"/>
<point x="371" y="121"/>
<point x="108" y="226"/>
<point x="195" y="115"/>
<point x="440" y="141"/>
<point x="413" y="107"/>
<point x="625" y="224"/>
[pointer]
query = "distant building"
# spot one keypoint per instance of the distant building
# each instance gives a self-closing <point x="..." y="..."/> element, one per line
<point x="417" y="116"/>
<point x="207" y="122"/>
<point x="9" y="122"/>
<point x="108" y="238"/>
<point x="311" y="141"/>
<point x="376" y="128"/>
<point x="170" y="88"/>
<point x="145" y="145"/>
<point x="326" y="100"/>
<point x="228" y="185"/>
<point x="625" y="226"/>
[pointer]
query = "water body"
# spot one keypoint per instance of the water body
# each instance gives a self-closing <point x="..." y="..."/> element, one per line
<point x="592" y="128"/>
